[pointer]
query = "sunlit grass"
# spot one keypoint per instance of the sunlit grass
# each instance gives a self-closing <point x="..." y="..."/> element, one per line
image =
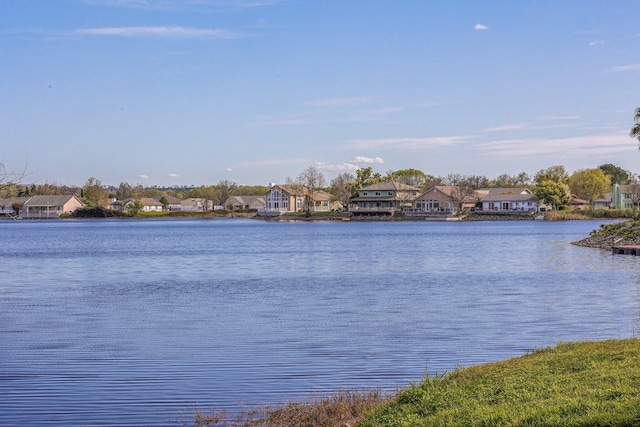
<point x="573" y="384"/>
<point x="576" y="384"/>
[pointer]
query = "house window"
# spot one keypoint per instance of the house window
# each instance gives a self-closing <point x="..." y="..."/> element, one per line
<point x="365" y="193"/>
<point x="390" y="193"/>
<point x="377" y="193"/>
<point x="505" y="206"/>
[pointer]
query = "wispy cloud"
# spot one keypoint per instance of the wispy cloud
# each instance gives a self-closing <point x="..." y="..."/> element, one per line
<point x="571" y="146"/>
<point x="480" y="27"/>
<point x="174" y="4"/>
<point x="332" y="102"/>
<point x="523" y="126"/>
<point x="622" y="68"/>
<point x="143" y="176"/>
<point x="160" y="32"/>
<point x="174" y="175"/>
<point x="411" y="143"/>
<point x="596" y="43"/>
<point x="258" y="3"/>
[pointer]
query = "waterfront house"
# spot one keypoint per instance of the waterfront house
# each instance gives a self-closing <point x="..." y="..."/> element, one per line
<point x="283" y="198"/>
<point x="625" y="196"/>
<point x="235" y="203"/>
<point x="150" y="205"/>
<point x="383" y="198"/>
<point x="577" y="204"/>
<point x="6" y="205"/>
<point x="507" y="200"/>
<point x="50" y="206"/>
<point x="437" y="200"/>
<point x="195" y="204"/>
<point x="173" y="203"/>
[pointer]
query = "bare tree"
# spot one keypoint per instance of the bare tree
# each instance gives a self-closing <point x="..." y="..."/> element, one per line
<point x="342" y="187"/>
<point x="9" y="179"/>
<point x="223" y="190"/>
<point x="312" y="180"/>
<point x="464" y="187"/>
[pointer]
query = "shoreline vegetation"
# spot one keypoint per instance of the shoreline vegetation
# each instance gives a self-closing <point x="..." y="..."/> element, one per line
<point x="559" y="215"/>
<point x="571" y="384"/>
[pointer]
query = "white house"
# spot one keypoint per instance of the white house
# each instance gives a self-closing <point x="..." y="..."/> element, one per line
<point x="508" y="200"/>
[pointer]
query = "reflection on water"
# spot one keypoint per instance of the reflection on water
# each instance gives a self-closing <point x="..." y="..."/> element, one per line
<point x="137" y="322"/>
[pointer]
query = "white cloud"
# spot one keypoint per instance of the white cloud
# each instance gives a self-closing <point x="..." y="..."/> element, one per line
<point x="228" y="170"/>
<point x="621" y="68"/>
<point x="480" y="27"/>
<point x="337" y="167"/>
<point x="173" y="175"/>
<point x="596" y="43"/>
<point x="163" y="32"/>
<point x="368" y="160"/>
<point x="143" y="176"/>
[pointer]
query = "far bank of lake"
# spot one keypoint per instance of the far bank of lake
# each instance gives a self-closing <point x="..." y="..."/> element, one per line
<point x="137" y="322"/>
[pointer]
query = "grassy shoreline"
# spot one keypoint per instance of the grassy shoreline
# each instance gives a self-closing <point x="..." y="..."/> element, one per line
<point x="572" y="384"/>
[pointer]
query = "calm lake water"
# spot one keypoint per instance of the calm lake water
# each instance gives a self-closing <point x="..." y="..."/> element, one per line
<point x="138" y="322"/>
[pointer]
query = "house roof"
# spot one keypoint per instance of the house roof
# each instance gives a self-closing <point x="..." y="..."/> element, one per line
<point x="629" y="188"/>
<point x="246" y="200"/>
<point x="193" y="201"/>
<point x="444" y="189"/>
<point x="172" y="200"/>
<point x="49" y="200"/>
<point x="302" y="190"/>
<point x="575" y="200"/>
<point x="148" y="201"/>
<point x="501" y="194"/>
<point x="8" y="201"/>
<point x="389" y="186"/>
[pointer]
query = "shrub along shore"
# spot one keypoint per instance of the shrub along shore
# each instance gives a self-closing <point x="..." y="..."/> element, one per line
<point x="572" y="384"/>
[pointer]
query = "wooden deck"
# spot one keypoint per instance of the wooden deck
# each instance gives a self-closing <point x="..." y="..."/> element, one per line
<point x="626" y="250"/>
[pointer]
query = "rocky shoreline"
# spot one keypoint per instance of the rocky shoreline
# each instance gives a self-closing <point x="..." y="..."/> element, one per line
<point x="620" y="234"/>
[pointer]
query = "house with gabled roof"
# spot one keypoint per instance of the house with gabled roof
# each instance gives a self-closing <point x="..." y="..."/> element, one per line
<point x="235" y="203"/>
<point x="507" y="200"/>
<point x="437" y="200"/>
<point x="625" y="196"/>
<point x="173" y="203"/>
<point x="7" y="205"/>
<point x="383" y="198"/>
<point x="283" y="198"/>
<point x="50" y="206"/>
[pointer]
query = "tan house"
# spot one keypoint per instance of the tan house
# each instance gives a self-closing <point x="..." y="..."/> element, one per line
<point x="437" y="200"/>
<point x="194" y="204"/>
<point x="235" y="203"/>
<point x="383" y="198"/>
<point x="283" y="198"/>
<point x="50" y="206"/>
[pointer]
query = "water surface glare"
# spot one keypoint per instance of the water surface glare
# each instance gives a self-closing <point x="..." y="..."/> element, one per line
<point x="124" y="322"/>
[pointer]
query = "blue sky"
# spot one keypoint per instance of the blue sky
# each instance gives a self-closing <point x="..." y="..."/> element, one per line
<point x="167" y="92"/>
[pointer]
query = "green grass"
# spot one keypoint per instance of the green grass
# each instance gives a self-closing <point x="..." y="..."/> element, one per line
<point x="573" y="384"/>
